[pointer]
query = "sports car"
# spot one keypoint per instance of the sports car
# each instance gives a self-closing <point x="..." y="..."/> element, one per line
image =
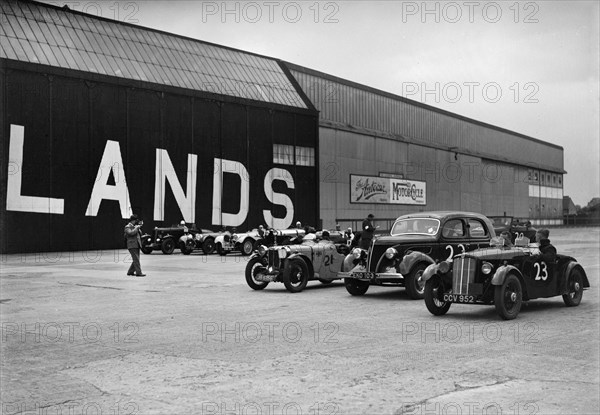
<point x="315" y="258"/>
<point x="517" y="228"/>
<point x="505" y="277"/>
<point x="202" y="239"/>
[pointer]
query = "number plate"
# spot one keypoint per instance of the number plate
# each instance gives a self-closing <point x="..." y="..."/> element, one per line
<point x="457" y="298"/>
<point x="363" y="275"/>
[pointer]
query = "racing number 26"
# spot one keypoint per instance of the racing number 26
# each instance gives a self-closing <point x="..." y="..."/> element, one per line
<point x="541" y="271"/>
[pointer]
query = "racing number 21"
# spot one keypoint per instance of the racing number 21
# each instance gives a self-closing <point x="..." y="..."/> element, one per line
<point x="541" y="271"/>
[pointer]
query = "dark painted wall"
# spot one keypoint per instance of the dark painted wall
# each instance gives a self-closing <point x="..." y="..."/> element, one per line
<point x="68" y="121"/>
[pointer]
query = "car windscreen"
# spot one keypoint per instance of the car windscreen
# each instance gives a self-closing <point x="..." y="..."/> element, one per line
<point x="420" y="226"/>
<point x="501" y="220"/>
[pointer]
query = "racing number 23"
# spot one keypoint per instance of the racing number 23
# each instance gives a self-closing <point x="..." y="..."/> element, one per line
<point x="541" y="271"/>
<point x="451" y="249"/>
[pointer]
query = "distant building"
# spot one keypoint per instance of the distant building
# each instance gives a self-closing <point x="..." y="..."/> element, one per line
<point x="568" y="206"/>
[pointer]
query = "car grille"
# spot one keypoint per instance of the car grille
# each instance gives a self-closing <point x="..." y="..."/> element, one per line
<point x="463" y="274"/>
<point x="273" y="258"/>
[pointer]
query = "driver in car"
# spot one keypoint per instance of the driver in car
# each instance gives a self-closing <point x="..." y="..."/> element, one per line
<point x="546" y="251"/>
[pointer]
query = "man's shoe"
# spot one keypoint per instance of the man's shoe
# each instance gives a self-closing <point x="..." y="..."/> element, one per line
<point x="130" y="273"/>
<point x="140" y="275"/>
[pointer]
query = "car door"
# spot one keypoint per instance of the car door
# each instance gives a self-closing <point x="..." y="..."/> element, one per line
<point x="478" y="234"/>
<point x="453" y="239"/>
<point x="540" y="276"/>
<point x="330" y="261"/>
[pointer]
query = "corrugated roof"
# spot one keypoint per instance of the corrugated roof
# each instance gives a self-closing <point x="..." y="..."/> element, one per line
<point x="39" y="33"/>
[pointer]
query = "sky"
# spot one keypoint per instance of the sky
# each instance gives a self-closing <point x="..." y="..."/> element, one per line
<point x="527" y="66"/>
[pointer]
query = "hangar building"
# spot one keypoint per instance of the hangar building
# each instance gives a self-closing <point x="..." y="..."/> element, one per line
<point x="99" y="119"/>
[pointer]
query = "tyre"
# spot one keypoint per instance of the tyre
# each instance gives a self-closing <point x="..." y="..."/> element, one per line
<point x="168" y="246"/>
<point x="434" y="291"/>
<point x="220" y="250"/>
<point x="575" y="286"/>
<point x="356" y="287"/>
<point x="415" y="287"/>
<point x="186" y="248"/>
<point x="508" y="297"/>
<point x="254" y="266"/>
<point x="295" y="275"/>
<point x="325" y="282"/>
<point x="247" y="247"/>
<point x="208" y="246"/>
<point x="146" y="249"/>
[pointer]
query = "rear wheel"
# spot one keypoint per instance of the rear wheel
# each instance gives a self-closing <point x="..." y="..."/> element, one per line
<point x="208" y="246"/>
<point x="168" y="246"/>
<point x="356" y="287"/>
<point x="415" y="286"/>
<point x="575" y="286"/>
<point x="252" y="270"/>
<point x="295" y="275"/>
<point x="434" y="294"/>
<point x="508" y="297"/>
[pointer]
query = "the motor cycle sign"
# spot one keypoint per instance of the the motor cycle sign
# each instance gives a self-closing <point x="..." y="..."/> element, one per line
<point x="373" y="189"/>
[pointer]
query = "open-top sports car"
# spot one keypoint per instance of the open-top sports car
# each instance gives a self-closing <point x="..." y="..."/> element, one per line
<point x="517" y="228"/>
<point x="504" y="277"/>
<point x="415" y="241"/>
<point x="242" y="242"/>
<point x="166" y="238"/>
<point x="202" y="239"/>
<point x="313" y="259"/>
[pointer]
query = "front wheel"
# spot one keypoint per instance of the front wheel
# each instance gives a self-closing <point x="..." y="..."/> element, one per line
<point x="247" y="247"/>
<point x="508" y="298"/>
<point x="295" y="275"/>
<point x="208" y="246"/>
<point x="415" y="287"/>
<point x="253" y="267"/>
<point x="434" y="294"/>
<point x="356" y="287"/>
<point x="575" y="286"/>
<point x="168" y="246"/>
<point x="147" y="249"/>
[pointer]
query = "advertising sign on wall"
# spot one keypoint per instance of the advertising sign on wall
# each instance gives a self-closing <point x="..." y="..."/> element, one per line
<point x="373" y="189"/>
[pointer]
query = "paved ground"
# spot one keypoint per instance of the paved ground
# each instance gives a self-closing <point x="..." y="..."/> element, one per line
<point x="78" y="336"/>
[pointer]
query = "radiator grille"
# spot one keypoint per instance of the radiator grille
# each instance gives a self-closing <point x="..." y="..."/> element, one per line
<point x="273" y="258"/>
<point x="463" y="274"/>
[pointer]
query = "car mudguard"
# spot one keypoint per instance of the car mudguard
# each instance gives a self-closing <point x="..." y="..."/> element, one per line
<point x="430" y="271"/>
<point x="503" y="271"/>
<point x="412" y="259"/>
<point x="306" y="260"/>
<point x="562" y="284"/>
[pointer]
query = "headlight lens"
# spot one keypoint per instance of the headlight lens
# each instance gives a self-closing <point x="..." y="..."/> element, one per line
<point x="390" y="253"/>
<point x="262" y="250"/>
<point x="283" y="252"/>
<point x="486" y="268"/>
<point x="444" y="267"/>
<point x="356" y="253"/>
<point x="234" y="238"/>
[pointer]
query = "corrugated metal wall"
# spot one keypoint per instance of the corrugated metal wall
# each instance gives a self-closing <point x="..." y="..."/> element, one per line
<point x="348" y="105"/>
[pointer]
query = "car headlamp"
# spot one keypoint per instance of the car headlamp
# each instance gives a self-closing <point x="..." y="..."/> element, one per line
<point x="283" y="252"/>
<point x="198" y="236"/>
<point x="486" y="268"/>
<point x="356" y="253"/>
<point x="390" y="253"/>
<point x="262" y="250"/>
<point x="444" y="267"/>
<point x="234" y="238"/>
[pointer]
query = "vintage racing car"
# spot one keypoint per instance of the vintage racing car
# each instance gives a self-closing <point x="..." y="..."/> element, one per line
<point x="514" y="226"/>
<point x="202" y="239"/>
<point x="415" y="241"/>
<point x="504" y="277"/>
<point x="166" y="238"/>
<point x="315" y="258"/>
<point x="243" y="242"/>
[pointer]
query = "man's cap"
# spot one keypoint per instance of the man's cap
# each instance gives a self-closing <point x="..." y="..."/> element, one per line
<point x="134" y="217"/>
<point x="371" y="215"/>
<point x="544" y="232"/>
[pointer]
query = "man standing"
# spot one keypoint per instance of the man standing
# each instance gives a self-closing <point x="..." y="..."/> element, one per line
<point x="134" y="243"/>
<point x="368" y="231"/>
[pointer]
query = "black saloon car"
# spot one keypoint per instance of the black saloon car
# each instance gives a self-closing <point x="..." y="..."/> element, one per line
<point x="415" y="241"/>
<point x="505" y="277"/>
<point x="166" y="239"/>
